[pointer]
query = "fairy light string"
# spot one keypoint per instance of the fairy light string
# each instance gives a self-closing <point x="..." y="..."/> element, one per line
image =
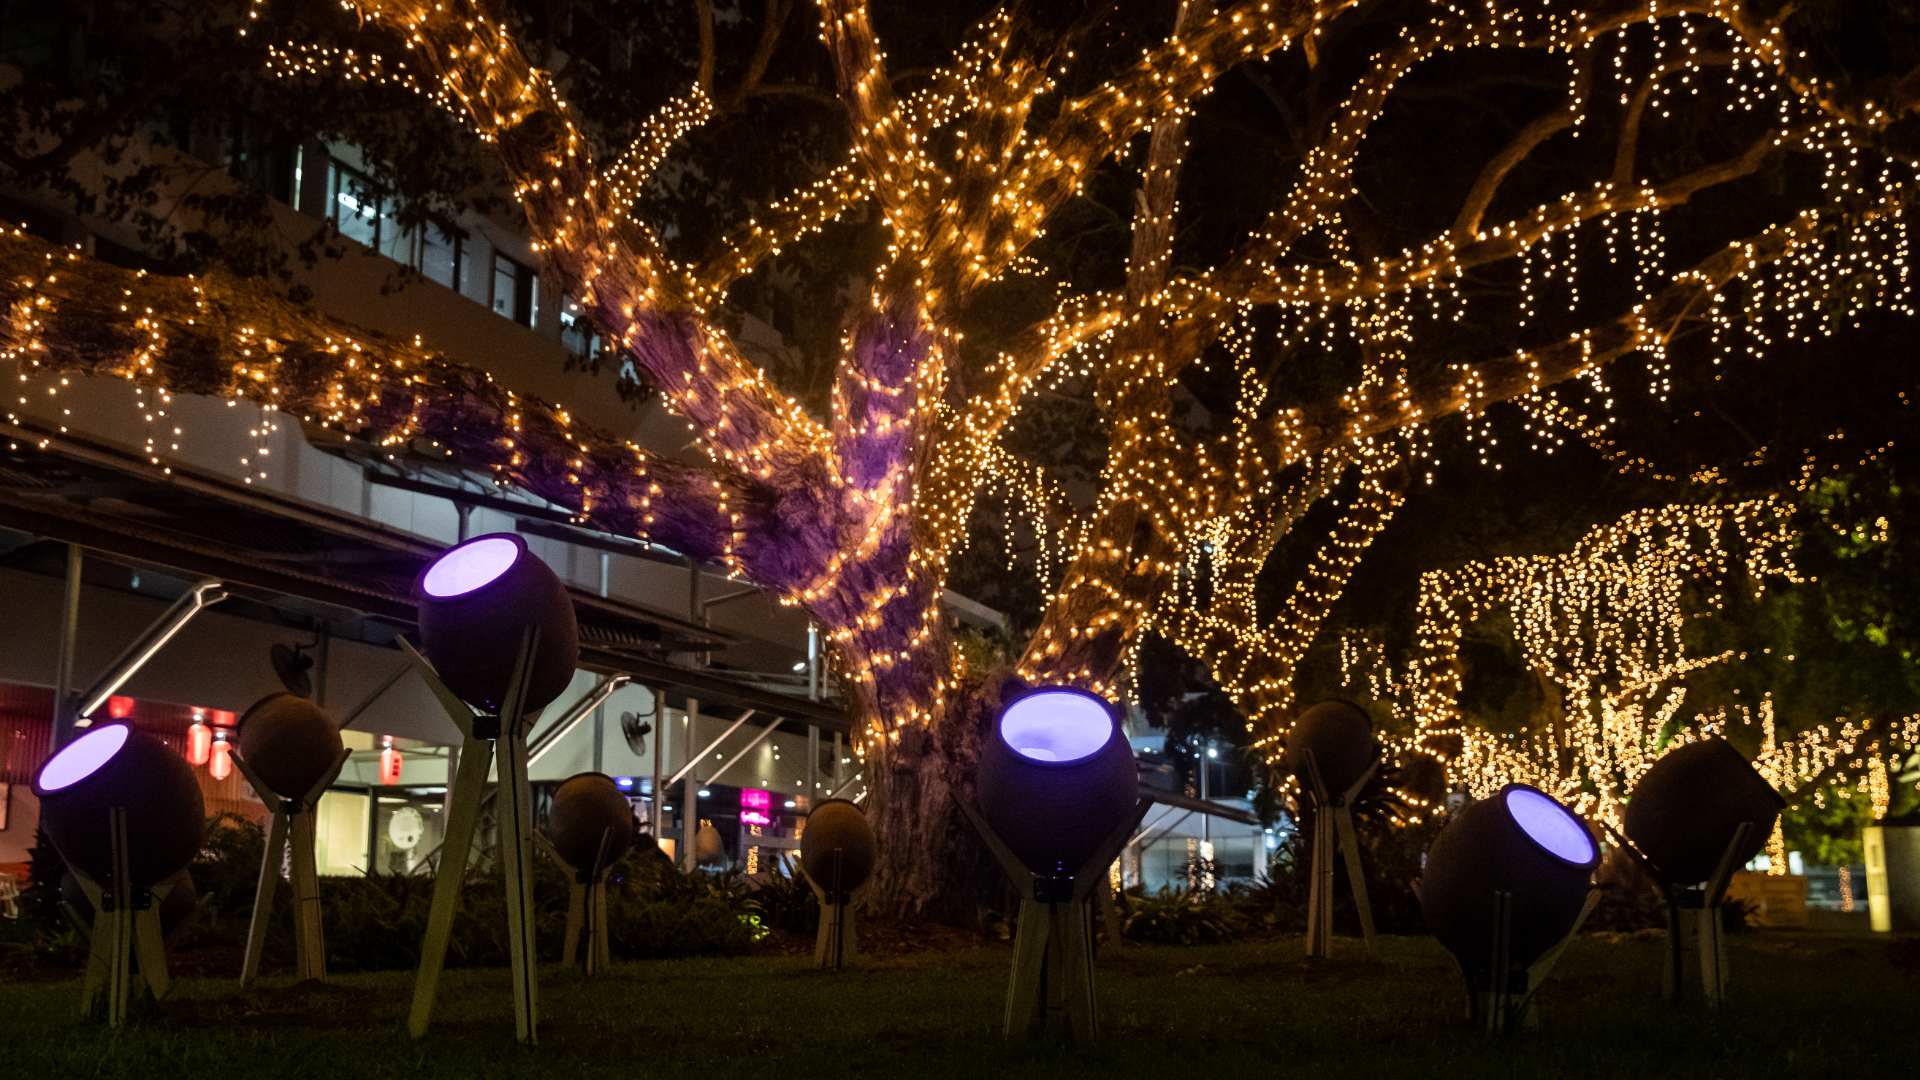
<point x="1604" y="630"/>
<point x="855" y="515"/>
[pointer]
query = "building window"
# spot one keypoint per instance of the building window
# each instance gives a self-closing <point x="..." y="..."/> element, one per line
<point x="362" y="211"/>
<point x="516" y="290"/>
<point x="447" y="259"/>
<point x="577" y="332"/>
<point x="261" y="158"/>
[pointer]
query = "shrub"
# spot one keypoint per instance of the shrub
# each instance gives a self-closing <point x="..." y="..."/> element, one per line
<point x="377" y="923"/>
<point x="1390" y="858"/>
<point x="786" y="902"/>
<point x="1186" y="917"/>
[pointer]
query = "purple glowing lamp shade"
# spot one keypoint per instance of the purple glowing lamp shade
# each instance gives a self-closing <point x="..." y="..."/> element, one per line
<point x="1056" y="777"/>
<point x="470" y="566"/>
<point x="113" y="769"/>
<point x="478" y="602"/>
<point x="1551" y="825"/>
<point x="1057" y="726"/>
<point x="81" y="758"/>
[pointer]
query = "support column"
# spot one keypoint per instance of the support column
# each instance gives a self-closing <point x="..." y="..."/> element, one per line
<point x="63" y="688"/>
<point x="813" y="662"/>
<point x="690" y="792"/>
<point x="599" y="737"/>
<point x="813" y="763"/>
<point x="655" y="816"/>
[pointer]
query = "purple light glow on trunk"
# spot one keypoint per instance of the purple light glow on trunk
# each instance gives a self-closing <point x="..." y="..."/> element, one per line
<point x="1551" y="825"/>
<point x="470" y="566"/>
<point x="1058" y="725"/>
<point x="81" y="758"/>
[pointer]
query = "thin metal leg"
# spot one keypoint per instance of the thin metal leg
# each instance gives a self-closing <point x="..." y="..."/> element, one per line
<point x="99" y="961"/>
<point x="602" y="936"/>
<point x="119" y="897"/>
<point x="150" y="950"/>
<point x="577" y="918"/>
<point x="1026" y="995"/>
<point x="310" y="941"/>
<point x="1320" y="887"/>
<point x="1356" y="879"/>
<point x="263" y="895"/>
<point x="476" y="758"/>
<point x="1495" y="997"/>
<point x="1077" y="973"/>
<point x="516" y="856"/>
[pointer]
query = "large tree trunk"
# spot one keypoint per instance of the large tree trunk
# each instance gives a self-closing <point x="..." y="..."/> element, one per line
<point x="932" y="864"/>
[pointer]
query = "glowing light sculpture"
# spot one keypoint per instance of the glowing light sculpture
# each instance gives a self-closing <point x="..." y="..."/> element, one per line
<point x="837" y="855"/>
<point x="1059" y="795"/>
<point x="1700" y="813"/>
<point x="1331" y="751"/>
<point x="477" y="603"/>
<point x="588" y="829"/>
<point x="290" y="752"/>
<point x="125" y="813"/>
<point x="1506" y="884"/>
<point x="498" y="643"/>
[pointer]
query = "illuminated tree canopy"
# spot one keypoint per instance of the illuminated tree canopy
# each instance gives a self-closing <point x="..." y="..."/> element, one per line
<point x="1342" y="343"/>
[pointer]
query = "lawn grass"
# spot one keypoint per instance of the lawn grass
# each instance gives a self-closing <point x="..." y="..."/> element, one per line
<point x="1805" y="1004"/>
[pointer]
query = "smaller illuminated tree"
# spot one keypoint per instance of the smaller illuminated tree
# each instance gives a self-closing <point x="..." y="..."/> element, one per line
<point x="1608" y="636"/>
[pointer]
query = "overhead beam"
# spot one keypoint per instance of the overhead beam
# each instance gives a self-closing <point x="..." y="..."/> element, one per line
<point x="145" y="647"/>
<point x="695" y="758"/>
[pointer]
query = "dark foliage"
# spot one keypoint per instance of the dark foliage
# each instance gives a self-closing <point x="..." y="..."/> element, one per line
<point x="1184" y="917"/>
<point x="377" y="923"/>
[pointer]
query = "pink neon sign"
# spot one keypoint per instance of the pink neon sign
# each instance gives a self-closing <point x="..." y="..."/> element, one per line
<point x="754" y="806"/>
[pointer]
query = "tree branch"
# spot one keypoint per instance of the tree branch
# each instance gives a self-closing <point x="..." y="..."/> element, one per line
<point x="1471" y="387"/>
<point x="1524" y="142"/>
<point x="1094" y="126"/>
<point x="220" y="337"/>
<point x="1629" y="144"/>
<point x="628" y="286"/>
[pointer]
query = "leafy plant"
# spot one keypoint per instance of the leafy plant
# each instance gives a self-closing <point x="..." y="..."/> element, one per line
<point x="786" y="902"/>
<point x="1186" y="917"/>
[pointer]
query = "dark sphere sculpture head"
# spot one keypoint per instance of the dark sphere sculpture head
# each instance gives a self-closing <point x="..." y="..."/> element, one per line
<point x="1056" y="777"/>
<point x="476" y="601"/>
<point x="585" y="807"/>
<point x="1684" y="812"/>
<point x="838" y="846"/>
<point x="111" y="766"/>
<point x="1339" y="734"/>
<point x="1520" y="842"/>
<point x="289" y="742"/>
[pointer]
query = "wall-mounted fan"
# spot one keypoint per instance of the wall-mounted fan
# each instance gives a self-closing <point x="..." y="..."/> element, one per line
<point x="636" y="728"/>
<point x="293" y="667"/>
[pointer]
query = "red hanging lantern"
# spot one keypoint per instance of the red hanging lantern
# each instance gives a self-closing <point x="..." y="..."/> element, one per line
<point x="390" y="762"/>
<point x="119" y="706"/>
<point x="220" y="764"/>
<point x="199" y="742"/>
